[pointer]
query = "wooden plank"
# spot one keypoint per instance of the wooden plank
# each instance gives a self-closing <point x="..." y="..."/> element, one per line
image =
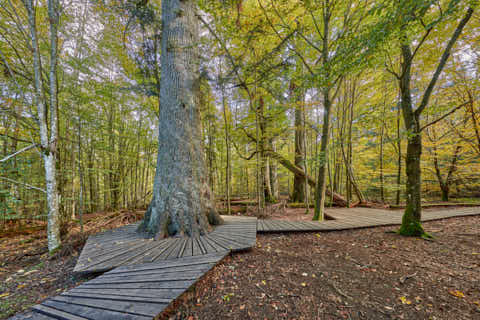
<point x="213" y="247"/>
<point x="56" y="314"/>
<point x="188" y="249"/>
<point x="137" y="308"/>
<point x="116" y="297"/>
<point x="174" y="270"/>
<point x="177" y="284"/>
<point x="176" y="251"/>
<point x="219" y="246"/>
<point x="156" y="254"/>
<point x="200" y="246"/>
<point x="94" y="313"/>
<point x="204" y="259"/>
<point x="196" y="250"/>
<point x="143" y="292"/>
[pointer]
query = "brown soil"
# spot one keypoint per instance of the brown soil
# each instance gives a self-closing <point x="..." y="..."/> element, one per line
<point x="356" y="274"/>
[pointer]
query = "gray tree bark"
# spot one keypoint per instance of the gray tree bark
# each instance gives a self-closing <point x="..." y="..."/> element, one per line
<point x="182" y="202"/>
<point x="48" y="126"/>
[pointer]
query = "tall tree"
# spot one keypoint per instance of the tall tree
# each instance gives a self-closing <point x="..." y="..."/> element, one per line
<point x="182" y="202"/>
<point x="47" y="113"/>
<point x="408" y="14"/>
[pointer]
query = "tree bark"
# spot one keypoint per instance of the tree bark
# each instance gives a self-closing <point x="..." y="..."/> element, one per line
<point x="298" y="194"/>
<point x="182" y="203"/>
<point x="327" y="114"/>
<point x="411" y="222"/>
<point x="48" y="126"/>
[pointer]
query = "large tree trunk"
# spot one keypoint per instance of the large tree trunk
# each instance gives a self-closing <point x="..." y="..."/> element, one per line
<point x="182" y="203"/>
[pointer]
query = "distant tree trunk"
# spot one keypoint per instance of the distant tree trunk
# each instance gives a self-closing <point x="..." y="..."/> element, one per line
<point x="327" y="113"/>
<point x="322" y="174"/>
<point x="274" y="172"/>
<point x="264" y="163"/>
<point x="297" y="98"/>
<point x="399" y="161"/>
<point x="228" y="172"/>
<point x="380" y="160"/>
<point x="447" y="182"/>
<point x="182" y="202"/>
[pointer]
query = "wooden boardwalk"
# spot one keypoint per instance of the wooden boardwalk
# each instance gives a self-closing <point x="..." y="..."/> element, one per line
<point x="358" y="218"/>
<point x="148" y="275"/>
<point x="131" y="292"/>
<point x="124" y="246"/>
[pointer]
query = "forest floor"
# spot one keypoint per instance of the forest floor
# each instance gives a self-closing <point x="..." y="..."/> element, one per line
<point x="352" y="274"/>
<point x="29" y="275"/>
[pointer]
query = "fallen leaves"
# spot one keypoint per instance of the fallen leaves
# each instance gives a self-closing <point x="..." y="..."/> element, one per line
<point x="404" y="300"/>
<point x="456" y="293"/>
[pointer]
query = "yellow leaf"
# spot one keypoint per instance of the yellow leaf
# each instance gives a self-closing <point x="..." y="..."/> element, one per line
<point x="405" y="300"/>
<point x="20" y="286"/>
<point x="304" y="284"/>
<point x="456" y="293"/>
<point x="264" y="282"/>
<point x="6" y="294"/>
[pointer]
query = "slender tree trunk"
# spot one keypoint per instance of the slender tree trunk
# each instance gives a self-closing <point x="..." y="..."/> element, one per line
<point x="380" y="160"/>
<point x="327" y="113"/>
<point x="322" y="169"/>
<point x="411" y="222"/>
<point x="228" y="172"/>
<point x="182" y="202"/>
<point x="297" y="98"/>
<point x="274" y="172"/>
<point x="48" y="126"/>
<point x="399" y="159"/>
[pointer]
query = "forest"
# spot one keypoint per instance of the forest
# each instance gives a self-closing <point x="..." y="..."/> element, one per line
<point x="266" y="103"/>
<point x="287" y="104"/>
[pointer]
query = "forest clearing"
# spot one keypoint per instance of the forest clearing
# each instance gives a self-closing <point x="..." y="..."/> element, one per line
<point x="194" y="159"/>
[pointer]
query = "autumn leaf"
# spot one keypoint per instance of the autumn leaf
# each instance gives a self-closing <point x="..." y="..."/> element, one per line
<point x="456" y="293"/>
<point x="405" y="300"/>
<point x="3" y="295"/>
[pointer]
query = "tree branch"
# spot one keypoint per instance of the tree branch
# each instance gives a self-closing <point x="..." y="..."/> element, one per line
<point x="23" y="184"/>
<point x="445" y="115"/>
<point x="18" y="152"/>
<point x="443" y="61"/>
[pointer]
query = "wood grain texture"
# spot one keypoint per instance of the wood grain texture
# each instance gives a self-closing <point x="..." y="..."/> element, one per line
<point x="137" y="292"/>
